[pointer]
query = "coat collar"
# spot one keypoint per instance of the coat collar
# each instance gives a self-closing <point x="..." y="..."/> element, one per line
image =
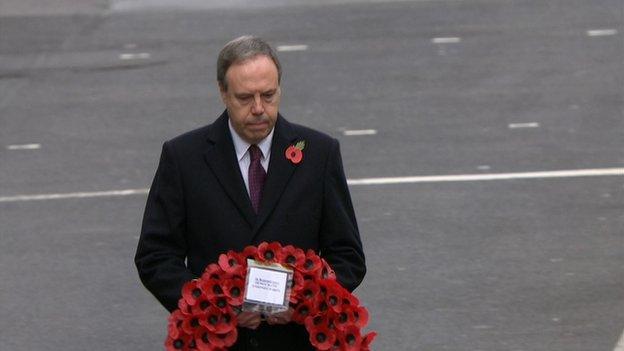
<point x="221" y="158"/>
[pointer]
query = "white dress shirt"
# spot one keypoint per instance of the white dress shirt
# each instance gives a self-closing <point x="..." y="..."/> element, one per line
<point x="241" y="147"/>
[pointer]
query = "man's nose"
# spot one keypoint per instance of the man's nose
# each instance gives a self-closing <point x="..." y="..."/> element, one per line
<point x="257" y="108"/>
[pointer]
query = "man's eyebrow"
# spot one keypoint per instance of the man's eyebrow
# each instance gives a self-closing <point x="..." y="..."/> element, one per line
<point x="243" y="95"/>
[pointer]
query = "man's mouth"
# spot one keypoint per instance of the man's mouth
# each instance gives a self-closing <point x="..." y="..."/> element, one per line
<point x="260" y="124"/>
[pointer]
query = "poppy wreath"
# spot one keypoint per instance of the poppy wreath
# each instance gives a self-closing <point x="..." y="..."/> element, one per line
<point x="206" y="317"/>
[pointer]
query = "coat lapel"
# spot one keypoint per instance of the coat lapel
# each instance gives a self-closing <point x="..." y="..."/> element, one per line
<point x="279" y="173"/>
<point x="221" y="159"/>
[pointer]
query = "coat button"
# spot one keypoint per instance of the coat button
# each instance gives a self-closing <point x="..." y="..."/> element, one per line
<point x="254" y="342"/>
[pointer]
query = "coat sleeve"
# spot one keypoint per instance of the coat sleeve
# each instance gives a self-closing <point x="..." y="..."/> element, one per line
<point x="340" y="243"/>
<point x="162" y="248"/>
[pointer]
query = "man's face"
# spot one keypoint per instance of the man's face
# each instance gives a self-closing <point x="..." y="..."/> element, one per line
<point x="252" y="97"/>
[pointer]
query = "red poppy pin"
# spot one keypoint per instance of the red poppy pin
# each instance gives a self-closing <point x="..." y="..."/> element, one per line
<point x="294" y="153"/>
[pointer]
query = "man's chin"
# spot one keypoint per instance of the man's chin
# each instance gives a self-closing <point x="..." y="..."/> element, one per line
<point x="256" y="136"/>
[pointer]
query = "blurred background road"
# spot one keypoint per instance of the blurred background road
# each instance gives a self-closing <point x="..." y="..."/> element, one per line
<point x="89" y="90"/>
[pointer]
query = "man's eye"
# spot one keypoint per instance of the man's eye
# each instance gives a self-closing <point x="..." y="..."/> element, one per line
<point x="268" y="96"/>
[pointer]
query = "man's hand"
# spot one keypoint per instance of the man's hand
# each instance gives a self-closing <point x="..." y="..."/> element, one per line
<point x="280" y="318"/>
<point x="249" y="320"/>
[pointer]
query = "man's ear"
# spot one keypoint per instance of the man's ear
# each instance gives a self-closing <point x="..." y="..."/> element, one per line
<point x="222" y="92"/>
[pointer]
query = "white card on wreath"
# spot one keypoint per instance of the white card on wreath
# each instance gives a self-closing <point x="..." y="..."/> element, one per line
<point x="267" y="288"/>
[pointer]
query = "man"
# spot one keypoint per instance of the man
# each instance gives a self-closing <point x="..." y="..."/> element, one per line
<point x="231" y="184"/>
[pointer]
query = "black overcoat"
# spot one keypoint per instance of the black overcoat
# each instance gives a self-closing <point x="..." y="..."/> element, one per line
<point x="198" y="208"/>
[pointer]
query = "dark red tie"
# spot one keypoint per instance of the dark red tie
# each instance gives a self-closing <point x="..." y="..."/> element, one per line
<point x="257" y="176"/>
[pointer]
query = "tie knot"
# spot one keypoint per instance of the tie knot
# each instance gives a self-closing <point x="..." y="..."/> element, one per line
<point x="255" y="153"/>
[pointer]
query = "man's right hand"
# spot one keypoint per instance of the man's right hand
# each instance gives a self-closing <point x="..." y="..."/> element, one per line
<point x="249" y="320"/>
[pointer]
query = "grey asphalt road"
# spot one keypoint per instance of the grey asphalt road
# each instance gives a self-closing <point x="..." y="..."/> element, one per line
<point x="520" y="264"/>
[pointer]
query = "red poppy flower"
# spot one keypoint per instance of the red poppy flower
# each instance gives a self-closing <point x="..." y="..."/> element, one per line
<point x="231" y="262"/>
<point x="201" y="306"/>
<point x="312" y="263"/>
<point x="209" y="341"/>
<point x="175" y="324"/>
<point x="344" y="318"/>
<point x="322" y="337"/>
<point x="310" y="291"/>
<point x="221" y="302"/>
<point x="234" y="289"/>
<point x="249" y="252"/>
<point x="190" y="324"/>
<point x="351" y="338"/>
<point x="337" y="345"/>
<point x="351" y="315"/>
<point x="292" y="256"/>
<point x="350" y="299"/>
<point x="333" y="299"/>
<point x="192" y="291"/>
<point x="303" y="310"/>
<point x="269" y="252"/>
<point x="330" y="285"/>
<point x="298" y="282"/>
<point x="218" y="321"/>
<point x="180" y="342"/>
<point x="333" y="294"/>
<point x="203" y="341"/>
<point x="212" y="288"/>
<point x="318" y="321"/>
<point x="340" y="344"/>
<point x="294" y="154"/>
<point x="309" y="278"/>
<point x="212" y="271"/>
<point x="361" y="316"/>
<point x="184" y="308"/>
<point x="221" y="341"/>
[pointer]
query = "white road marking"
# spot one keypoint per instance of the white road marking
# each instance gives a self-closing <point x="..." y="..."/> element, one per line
<point x="80" y="195"/>
<point x="524" y="125"/>
<point x="620" y="344"/>
<point x="494" y="176"/>
<point x="24" y="147"/>
<point x="292" y="48"/>
<point x="484" y="168"/>
<point x="139" y="56"/>
<point x="601" y="32"/>
<point x="362" y="181"/>
<point x="446" y="40"/>
<point x="360" y="132"/>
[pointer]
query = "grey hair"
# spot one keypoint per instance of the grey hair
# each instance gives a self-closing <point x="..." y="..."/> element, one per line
<point x="242" y="49"/>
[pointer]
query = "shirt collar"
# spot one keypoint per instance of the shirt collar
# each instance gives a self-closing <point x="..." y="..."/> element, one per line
<point x="241" y="146"/>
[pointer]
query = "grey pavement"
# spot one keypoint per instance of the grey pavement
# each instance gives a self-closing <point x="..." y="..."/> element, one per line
<point x="531" y="264"/>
